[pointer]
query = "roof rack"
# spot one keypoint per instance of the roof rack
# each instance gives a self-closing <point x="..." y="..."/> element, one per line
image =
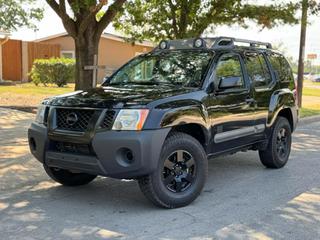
<point x="210" y="43"/>
<point x="229" y="41"/>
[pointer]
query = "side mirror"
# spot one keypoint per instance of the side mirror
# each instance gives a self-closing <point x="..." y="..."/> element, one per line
<point x="230" y="82"/>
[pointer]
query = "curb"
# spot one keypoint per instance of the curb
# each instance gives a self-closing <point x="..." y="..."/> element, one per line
<point x="307" y="120"/>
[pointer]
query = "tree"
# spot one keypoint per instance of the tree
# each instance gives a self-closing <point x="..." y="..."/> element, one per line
<point x="86" y="29"/>
<point x="17" y="13"/>
<point x="174" y="19"/>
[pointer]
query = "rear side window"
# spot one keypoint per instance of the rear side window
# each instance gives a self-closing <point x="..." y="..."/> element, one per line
<point x="258" y="70"/>
<point x="281" y="67"/>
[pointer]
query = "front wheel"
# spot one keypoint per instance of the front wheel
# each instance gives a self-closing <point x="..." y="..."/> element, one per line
<point x="181" y="173"/>
<point x="277" y="153"/>
<point x="68" y="178"/>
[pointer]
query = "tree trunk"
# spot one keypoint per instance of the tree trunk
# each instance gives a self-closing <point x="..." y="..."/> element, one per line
<point x="86" y="48"/>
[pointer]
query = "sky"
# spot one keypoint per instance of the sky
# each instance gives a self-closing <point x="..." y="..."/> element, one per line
<point x="287" y="36"/>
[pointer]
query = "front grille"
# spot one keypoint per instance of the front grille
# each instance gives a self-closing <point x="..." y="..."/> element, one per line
<point x="73" y="148"/>
<point x="108" y="119"/>
<point x="73" y="119"/>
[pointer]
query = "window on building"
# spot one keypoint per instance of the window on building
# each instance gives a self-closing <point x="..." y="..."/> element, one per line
<point x="67" y="54"/>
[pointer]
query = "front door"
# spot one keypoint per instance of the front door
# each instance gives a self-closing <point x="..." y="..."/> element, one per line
<point x="231" y="107"/>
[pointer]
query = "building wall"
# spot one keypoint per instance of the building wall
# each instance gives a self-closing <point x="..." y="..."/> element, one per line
<point x="112" y="54"/>
<point x="66" y="43"/>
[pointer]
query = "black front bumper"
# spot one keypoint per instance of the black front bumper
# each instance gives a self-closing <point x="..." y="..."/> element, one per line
<point x="118" y="154"/>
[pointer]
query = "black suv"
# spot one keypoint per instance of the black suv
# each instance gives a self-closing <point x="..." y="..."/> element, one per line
<point x="163" y="114"/>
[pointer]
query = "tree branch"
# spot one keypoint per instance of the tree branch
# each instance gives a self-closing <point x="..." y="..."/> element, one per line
<point x="93" y="11"/>
<point x="109" y="15"/>
<point x="60" y="10"/>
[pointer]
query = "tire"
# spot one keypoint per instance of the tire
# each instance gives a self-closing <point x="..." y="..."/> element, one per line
<point x="181" y="174"/>
<point x="278" y="150"/>
<point x="67" y="178"/>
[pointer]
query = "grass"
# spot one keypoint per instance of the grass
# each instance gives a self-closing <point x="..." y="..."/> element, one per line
<point x="311" y="99"/>
<point x="30" y="89"/>
<point x="310" y="106"/>
<point x="27" y="96"/>
<point x="315" y="92"/>
<point x="308" y="112"/>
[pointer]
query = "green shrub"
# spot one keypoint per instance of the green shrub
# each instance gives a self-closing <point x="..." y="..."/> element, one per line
<point x="59" y="71"/>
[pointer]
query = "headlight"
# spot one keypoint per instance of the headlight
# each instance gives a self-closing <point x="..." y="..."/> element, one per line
<point x="40" y="113"/>
<point x="130" y="119"/>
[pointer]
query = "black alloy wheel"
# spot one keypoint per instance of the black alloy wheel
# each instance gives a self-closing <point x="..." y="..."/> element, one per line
<point x="181" y="174"/>
<point x="179" y="171"/>
<point x="277" y="153"/>
<point x="282" y="143"/>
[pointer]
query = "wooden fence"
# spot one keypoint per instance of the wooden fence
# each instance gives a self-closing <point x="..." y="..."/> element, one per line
<point x="18" y="57"/>
<point x="40" y="50"/>
<point x="12" y="60"/>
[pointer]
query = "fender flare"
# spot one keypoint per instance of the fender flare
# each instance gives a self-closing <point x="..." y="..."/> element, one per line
<point x="193" y="115"/>
<point x="280" y="100"/>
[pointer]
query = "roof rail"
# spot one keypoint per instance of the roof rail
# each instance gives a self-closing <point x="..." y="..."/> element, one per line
<point x="229" y="41"/>
<point x="213" y="43"/>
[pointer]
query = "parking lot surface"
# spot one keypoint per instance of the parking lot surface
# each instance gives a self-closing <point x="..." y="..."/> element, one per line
<point x="241" y="199"/>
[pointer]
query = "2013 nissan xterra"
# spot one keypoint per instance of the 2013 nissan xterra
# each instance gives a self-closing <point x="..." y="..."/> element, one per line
<point x="163" y="114"/>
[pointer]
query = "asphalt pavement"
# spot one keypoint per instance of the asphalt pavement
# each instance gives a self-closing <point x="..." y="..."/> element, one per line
<point x="241" y="199"/>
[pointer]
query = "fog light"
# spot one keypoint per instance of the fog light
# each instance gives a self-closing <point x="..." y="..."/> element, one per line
<point x="129" y="156"/>
<point x="125" y="157"/>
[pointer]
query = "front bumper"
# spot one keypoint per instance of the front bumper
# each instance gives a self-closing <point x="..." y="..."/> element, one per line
<point x="118" y="154"/>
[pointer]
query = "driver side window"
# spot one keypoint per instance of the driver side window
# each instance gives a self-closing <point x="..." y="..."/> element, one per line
<point x="229" y="73"/>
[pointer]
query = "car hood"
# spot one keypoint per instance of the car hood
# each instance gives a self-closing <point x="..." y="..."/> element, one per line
<point x="117" y="97"/>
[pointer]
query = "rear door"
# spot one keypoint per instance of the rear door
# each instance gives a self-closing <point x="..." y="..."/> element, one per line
<point x="231" y="110"/>
<point x="263" y="84"/>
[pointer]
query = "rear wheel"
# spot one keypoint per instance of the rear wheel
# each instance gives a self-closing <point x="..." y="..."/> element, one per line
<point x="277" y="153"/>
<point x="68" y="178"/>
<point x="181" y="173"/>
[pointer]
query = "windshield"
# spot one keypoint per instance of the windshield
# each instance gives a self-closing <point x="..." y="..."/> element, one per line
<point x="179" y="68"/>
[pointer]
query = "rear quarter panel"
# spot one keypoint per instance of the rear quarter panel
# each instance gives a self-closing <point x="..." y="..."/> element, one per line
<point x="281" y="99"/>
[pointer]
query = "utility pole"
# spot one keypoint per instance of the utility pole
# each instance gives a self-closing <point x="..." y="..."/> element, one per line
<point x="304" y="19"/>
